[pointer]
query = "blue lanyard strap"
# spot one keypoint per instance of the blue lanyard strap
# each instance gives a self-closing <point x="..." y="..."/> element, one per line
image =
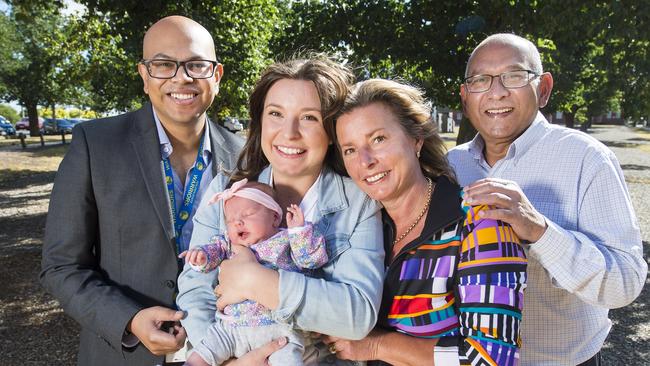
<point x="191" y="188"/>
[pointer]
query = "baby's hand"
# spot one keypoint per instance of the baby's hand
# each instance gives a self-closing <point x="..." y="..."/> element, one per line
<point x="295" y="216"/>
<point x="195" y="256"/>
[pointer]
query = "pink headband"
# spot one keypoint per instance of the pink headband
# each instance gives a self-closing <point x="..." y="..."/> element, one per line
<point x="249" y="193"/>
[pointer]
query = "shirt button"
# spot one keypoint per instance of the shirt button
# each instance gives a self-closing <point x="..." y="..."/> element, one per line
<point x="169" y="283"/>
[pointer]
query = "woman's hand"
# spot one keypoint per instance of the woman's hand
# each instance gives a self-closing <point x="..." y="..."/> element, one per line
<point x="242" y="278"/>
<point x="259" y="356"/>
<point x="362" y="350"/>
<point x="234" y="281"/>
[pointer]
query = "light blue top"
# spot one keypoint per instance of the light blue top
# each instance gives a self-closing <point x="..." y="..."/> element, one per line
<point x="590" y="258"/>
<point x="343" y="297"/>
<point x="166" y="150"/>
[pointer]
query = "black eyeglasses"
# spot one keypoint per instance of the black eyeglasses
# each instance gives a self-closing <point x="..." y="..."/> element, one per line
<point x="509" y="80"/>
<point x="167" y="69"/>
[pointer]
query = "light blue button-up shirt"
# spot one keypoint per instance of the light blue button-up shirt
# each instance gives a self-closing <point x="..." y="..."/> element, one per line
<point x="166" y="150"/>
<point x="589" y="259"/>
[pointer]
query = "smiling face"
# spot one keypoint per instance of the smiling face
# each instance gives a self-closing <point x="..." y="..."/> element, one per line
<point x="500" y="115"/>
<point x="248" y="222"/>
<point x="293" y="137"/>
<point x="378" y="155"/>
<point x="181" y="99"/>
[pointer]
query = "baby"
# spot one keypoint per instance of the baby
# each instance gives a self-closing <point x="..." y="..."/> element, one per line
<point x="252" y="220"/>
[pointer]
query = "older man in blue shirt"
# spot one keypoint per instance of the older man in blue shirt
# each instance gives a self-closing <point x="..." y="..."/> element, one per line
<point x="562" y="191"/>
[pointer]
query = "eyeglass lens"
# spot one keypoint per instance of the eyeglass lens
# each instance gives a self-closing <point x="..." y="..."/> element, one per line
<point x="510" y="80"/>
<point x="165" y="69"/>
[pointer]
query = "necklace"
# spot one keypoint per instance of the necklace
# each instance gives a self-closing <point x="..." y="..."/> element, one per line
<point x="424" y="210"/>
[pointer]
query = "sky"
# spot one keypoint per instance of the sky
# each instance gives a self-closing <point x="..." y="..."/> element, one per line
<point x="71" y="7"/>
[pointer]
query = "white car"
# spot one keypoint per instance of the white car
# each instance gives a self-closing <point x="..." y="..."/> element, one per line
<point x="233" y="124"/>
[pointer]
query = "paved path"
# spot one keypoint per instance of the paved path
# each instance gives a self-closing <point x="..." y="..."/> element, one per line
<point x="633" y="152"/>
<point x="628" y="343"/>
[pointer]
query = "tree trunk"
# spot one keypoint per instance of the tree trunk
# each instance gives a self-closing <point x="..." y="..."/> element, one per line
<point x="32" y="113"/>
<point x="466" y="131"/>
<point x="586" y="125"/>
<point x="569" y="119"/>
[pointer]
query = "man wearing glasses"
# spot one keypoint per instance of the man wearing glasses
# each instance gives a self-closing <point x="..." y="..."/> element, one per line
<point x="123" y="200"/>
<point x="564" y="194"/>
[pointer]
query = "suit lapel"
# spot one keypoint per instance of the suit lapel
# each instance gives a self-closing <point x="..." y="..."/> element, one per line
<point x="219" y="150"/>
<point x="146" y="144"/>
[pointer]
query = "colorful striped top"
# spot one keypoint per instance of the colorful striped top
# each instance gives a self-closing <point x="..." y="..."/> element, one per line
<point x="461" y="281"/>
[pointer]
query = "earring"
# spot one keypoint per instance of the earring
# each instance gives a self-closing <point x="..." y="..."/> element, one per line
<point x="417" y="153"/>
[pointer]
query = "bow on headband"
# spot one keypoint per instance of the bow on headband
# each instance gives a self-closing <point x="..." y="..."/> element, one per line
<point x="237" y="189"/>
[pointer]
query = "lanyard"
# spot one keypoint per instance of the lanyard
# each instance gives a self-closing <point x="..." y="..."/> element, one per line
<point x="191" y="188"/>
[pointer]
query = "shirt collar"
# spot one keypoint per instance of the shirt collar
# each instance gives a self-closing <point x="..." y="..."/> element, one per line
<point x="309" y="200"/>
<point x="518" y="147"/>
<point x="447" y="202"/>
<point x="166" y="147"/>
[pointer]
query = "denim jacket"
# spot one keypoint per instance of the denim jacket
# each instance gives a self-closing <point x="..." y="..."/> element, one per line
<point x="342" y="299"/>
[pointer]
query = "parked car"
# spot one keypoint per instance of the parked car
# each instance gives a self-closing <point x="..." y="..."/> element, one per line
<point x="50" y="127"/>
<point x="54" y="126"/>
<point x="75" y="121"/>
<point x="6" y="128"/>
<point x="245" y="123"/>
<point x="64" y="125"/>
<point x="22" y="126"/>
<point x="233" y="124"/>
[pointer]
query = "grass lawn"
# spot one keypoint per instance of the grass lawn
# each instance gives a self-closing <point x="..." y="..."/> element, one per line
<point x="31" y="160"/>
<point x="450" y="138"/>
<point x="15" y="141"/>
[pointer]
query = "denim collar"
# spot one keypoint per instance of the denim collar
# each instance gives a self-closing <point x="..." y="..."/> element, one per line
<point x="331" y="196"/>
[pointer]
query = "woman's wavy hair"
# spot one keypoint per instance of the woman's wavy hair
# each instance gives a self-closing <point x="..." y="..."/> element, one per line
<point x="414" y="115"/>
<point x="332" y="81"/>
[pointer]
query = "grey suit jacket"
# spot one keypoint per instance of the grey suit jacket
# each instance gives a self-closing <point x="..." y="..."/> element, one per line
<point x="109" y="247"/>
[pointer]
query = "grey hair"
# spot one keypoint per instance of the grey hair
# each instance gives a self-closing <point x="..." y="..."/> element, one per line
<point x="528" y="49"/>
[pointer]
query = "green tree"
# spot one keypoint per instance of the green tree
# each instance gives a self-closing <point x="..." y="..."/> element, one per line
<point x="10" y="48"/>
<point x="242" y="31"/>
<point x="9" y="113"/>
<point x="59" y="59"/>
<point x="46" y="63"/>
<point x="583" y="43"/>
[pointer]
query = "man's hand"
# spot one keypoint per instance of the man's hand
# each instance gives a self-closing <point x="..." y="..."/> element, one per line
<point x="259" y="356"/>
<point x="510" y="205"/>
<point x="147" y="324"/>
<point x="361" y="350"/>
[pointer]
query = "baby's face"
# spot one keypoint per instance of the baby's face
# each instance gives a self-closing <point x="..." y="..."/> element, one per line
<point x="248" y="222"/>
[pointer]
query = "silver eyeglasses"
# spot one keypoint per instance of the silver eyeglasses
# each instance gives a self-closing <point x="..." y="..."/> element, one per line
<point x="509" y="80"/>
<point x="167" y="69"/>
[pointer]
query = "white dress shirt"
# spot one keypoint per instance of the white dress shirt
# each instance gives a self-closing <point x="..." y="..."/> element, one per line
<point x="589" y="260"/>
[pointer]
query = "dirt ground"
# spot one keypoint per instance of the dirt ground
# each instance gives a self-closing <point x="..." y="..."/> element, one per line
<point x="35" y="331"/>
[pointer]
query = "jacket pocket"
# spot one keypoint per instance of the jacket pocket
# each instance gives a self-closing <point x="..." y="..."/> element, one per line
<point x="336" y="244"/>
